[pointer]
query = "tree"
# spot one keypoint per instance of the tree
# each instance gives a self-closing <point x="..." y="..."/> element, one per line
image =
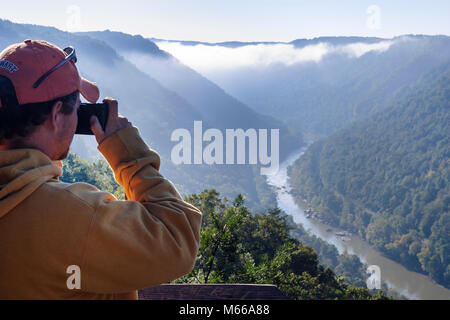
<point x="240" y="247"/>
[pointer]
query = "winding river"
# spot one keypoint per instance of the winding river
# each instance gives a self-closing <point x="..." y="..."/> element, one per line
<point x="410" y="284"/>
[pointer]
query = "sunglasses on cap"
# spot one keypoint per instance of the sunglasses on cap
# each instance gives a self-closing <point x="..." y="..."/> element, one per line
<point x="71" y="56"/>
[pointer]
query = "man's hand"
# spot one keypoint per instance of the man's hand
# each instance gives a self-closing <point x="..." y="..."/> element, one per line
<point x="115" y="122"/>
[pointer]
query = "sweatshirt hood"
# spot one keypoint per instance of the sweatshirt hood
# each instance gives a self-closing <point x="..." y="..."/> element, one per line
<point x="22" y="171"/>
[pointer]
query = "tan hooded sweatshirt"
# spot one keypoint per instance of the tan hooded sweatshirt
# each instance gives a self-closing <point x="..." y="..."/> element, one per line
<point x="46" y="226"/>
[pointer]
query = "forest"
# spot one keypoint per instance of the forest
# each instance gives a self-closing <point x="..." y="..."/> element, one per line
<point x="387" y="178"/>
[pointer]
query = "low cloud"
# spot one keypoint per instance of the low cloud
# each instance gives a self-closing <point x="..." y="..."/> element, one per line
<point x="205" y="58"/>
<point x="358" y="49"/>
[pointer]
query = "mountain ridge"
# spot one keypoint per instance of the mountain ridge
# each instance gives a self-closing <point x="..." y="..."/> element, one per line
<point x="218" y="108"/>
<point x="160" y="111"/>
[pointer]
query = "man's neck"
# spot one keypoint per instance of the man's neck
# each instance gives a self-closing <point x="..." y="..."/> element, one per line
<point x="21" y="144"/>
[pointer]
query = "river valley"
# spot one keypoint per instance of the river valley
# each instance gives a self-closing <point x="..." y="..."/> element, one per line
<point x="413" y="285"/>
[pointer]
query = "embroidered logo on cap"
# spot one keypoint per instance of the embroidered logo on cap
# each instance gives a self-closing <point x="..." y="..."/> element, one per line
<point x="11" y="67"/>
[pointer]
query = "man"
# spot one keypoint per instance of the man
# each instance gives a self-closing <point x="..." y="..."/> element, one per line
<point x="72" y="241"/>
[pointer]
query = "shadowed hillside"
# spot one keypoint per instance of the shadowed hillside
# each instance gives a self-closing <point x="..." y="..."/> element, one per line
<point x="388" y="178"/>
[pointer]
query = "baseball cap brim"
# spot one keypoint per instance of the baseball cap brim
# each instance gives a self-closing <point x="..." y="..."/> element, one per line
<point x="89" y="90"/>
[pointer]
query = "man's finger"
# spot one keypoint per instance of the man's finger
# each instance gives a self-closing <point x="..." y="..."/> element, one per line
<point x="96" y="128"/>
<point x="113" y="107"/>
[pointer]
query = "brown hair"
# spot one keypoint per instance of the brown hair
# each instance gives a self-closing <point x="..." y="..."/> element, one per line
<point x="20" y="121"/>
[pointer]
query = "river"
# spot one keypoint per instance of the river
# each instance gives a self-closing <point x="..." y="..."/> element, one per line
<point x="410" y="284"/>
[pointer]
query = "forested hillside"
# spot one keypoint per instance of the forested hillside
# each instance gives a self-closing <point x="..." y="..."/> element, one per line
<point x="240" y="247"/>
<point x="388" y="178"/>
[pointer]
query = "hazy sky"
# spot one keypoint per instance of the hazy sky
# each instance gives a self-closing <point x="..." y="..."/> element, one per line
<point x="244" y="20"/>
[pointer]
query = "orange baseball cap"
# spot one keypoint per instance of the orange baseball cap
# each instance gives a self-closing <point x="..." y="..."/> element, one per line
<point x="25" y="63"/>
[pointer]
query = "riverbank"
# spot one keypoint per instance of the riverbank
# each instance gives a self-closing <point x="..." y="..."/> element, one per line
<point x="411" y="284"/>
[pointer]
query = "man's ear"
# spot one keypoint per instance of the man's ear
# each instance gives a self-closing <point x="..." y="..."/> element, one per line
<point x="56" y="115"/>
